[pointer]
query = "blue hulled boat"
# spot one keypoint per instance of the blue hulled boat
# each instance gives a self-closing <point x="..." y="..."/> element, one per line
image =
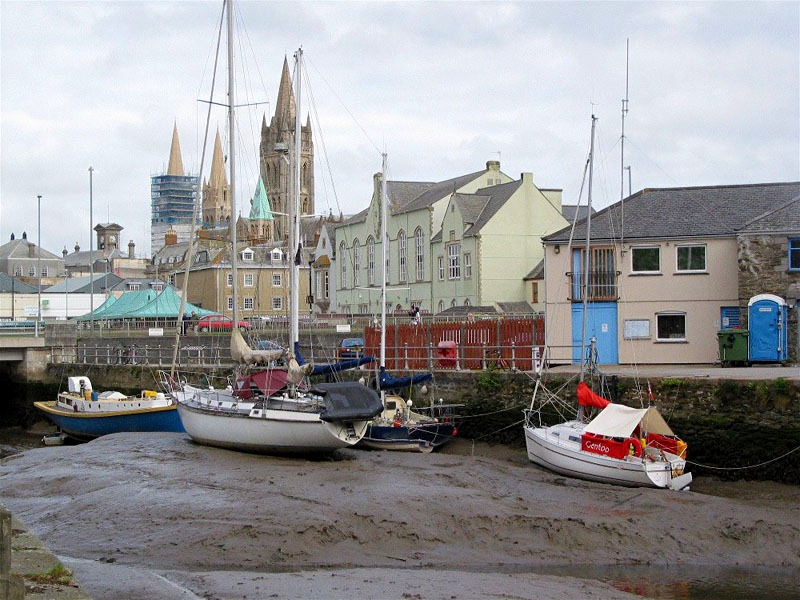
<point x="83" y="414"/>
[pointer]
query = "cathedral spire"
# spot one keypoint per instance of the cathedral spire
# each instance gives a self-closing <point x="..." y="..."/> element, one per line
<point x="218" y="177"/>
<point x="284" y="105"/>
<point x="259" y="203"/>
<point x="175" y="161"/>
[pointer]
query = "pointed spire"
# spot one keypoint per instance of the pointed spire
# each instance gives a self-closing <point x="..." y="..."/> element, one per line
<point x="218" y="178"/>
<point x="259" y="204"/>
<point x="284" y="105"/>
<point x="175" y="160"/>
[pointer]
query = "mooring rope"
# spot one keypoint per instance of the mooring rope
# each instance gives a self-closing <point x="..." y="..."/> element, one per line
<point x="761" y="464"/>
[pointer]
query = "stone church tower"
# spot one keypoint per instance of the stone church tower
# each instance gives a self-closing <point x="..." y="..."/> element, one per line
<point x="275" y="172"/>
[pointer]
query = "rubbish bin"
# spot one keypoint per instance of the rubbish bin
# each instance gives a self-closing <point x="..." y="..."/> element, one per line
<point x="447" y="353"/>
<point x="733" y="346"/>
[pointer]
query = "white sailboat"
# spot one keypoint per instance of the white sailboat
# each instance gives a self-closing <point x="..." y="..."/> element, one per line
<point x="398" y="427"/>
<point x="270" y="411"/>
<point x="621" y="445"/>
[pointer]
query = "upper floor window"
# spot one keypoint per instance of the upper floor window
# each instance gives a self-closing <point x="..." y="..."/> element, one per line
<point x="277" y="303"/>
<point x="133" y="287"/>
<point x="248" y="280"/>
<point x="229" y="279"/>
<point x="402" y="252"/>
<point x="248" y="304"/>
<point x="646" y="259"/>
<point x="356" y="264"/>
<point x="794" y="254"/>
<point x="44" y="271"/>
<point x="419" y="253"/>
<point x="18" y="271"/>
<point x="343" y="265"/>
<point x="277" y="280"/>
<point x="370" y="261"/>
<point x="691" y="258"/>
<point x="467" y="265"/>
<point x="454" y="261"/>
<point x="602" y="280"/>
<point x="248" y="255"/>
<point x="32" y="271"/>
<point x="441" y="268"/>
<point x="229" y="302"/>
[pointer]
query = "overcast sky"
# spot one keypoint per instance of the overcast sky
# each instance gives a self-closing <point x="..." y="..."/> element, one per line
<point x="442" y="87"/>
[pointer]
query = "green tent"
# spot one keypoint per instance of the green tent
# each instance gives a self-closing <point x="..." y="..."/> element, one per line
<point x="144" y="304"/>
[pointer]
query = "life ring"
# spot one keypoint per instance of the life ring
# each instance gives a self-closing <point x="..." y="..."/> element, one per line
<point x="634" y="447"/>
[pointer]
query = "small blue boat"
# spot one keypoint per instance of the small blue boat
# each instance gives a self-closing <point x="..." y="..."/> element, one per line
<point x="83" y="414"/>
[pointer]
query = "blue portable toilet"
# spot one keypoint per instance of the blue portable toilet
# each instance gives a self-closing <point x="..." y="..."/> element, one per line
<point x="768" y="324"/>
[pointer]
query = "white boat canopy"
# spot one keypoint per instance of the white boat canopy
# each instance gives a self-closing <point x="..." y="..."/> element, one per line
<point x="616" y="420"/>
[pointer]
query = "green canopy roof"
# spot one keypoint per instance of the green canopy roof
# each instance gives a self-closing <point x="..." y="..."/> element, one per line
<point x="144" y="304"/>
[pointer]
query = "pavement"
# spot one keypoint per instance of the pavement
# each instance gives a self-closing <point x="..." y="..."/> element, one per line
<point x="711" y="372"/>
<point x="43" y="574"/>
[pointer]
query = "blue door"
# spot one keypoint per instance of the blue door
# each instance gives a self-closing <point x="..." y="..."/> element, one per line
<point x="767" y="318"/>
<point x="601" y="324"/>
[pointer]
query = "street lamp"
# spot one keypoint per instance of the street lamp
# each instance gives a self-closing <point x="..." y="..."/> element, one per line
<point x="38" y="263"/>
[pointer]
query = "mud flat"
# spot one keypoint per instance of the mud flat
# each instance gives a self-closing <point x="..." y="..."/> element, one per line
<point x="154" y="515"/>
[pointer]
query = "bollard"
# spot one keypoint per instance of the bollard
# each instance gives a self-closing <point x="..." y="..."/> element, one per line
<point x="11" y="586"/>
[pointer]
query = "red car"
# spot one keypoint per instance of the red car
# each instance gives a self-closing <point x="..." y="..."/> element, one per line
<point x="219" y="323"/>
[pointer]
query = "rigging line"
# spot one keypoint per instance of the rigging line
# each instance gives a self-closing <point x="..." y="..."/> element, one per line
<point x="761" y="464"/>
<point x="494" y="412"/>
<point x="347" y="110"/>
<point x="517" y="424"/>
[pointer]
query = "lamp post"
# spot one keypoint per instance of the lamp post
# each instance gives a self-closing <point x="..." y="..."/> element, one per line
<point x="91" y="260"/>
<point x="38" y="263"/>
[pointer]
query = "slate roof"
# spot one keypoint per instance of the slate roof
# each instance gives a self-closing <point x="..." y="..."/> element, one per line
<point x="9" y="283"/>
<point x="784" y="218"/>
<point x="82" y="285"/>
<point x="668" y="213"/>
<point x="434" y="192"/>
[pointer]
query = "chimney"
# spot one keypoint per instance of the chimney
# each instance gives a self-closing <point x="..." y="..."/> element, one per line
<point x="171" y="238"/>
<point x="31" y="251"/>
<point x="64" y="252"/>
<point x="77" y="247"/>
<point x="131" y="248"/>
<point x="526" y="178"/>
<point x="492" y="165"/>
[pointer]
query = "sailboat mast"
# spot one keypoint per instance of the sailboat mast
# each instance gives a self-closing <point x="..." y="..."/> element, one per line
<point x="294" y="209"/>
<point x="622" y="149"/>
<point x="586" y="255"/>
<point x="384" y="251"/>
<point x="232" y="163"/>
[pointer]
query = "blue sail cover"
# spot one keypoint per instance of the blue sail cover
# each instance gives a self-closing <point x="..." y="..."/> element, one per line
<point x="344" y="365"/>
<point x="387" y="382"/>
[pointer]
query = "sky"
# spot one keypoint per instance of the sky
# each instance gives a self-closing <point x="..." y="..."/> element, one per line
<point x="713" y="95"/>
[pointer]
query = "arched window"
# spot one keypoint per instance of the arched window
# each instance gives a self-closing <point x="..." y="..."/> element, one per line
<point x="441" y="306"/>
<point x="370" y="261"/>
<point x="356" y="264"/>
<point x="402" y="252"/>
<point x="453" y="303"/>
<point x="342" y="266"/>
<point x="419" y="253"/>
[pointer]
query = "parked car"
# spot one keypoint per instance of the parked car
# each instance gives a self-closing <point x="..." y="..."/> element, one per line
<point x="350" y="348"/>
<point x="219" y="323"/>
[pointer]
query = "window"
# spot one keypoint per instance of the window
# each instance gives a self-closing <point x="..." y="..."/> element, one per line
<point x="370" y="261"/>
<point x="229" y="279"/>
<point x="277" y="303"/>
<point x="343" y="265"/>
<point x="454" y="261"/>
<point x="248" y="280"/>
<point x="229" y="302"/>
<point x="356" y="264"/>
<point x="44" y="271"/>
<point x="402" y="251"/>
<point x="327" y="284"/>
<point x="441" y="268"/>
<point x="671" y="327"/>
<point x="691" y="258"/>
<point x="646" y="260"/>
<point x="248" y="304"/>
<point x="248" y="255"/>
<point x="602" y="284"/>
<point x="535" y="292"/>
<point x="18" y="271"/>
<point x="277" y="280"/>
<point x="419" y="253"/>
<point x="157" y="287"/>
<point x="441" y="305"/>
<point x="794" y="254"/>
<point x="133" y="287"/>
<point x="467" y="265"/>
<point x="32" y="271"/>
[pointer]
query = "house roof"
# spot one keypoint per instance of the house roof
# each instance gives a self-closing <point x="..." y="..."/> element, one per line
<point x="428" y="194"/>
<point x="83" y="285"/>
<point x="666" y="213"/>
<point x="785" y="218"/>
<point x="23" y="248"/>
<point x="9" y="283"/>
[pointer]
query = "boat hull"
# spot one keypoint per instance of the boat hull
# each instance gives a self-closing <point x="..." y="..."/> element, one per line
<point x="560" y="454"/>
<point x="272" y="432"/>
<point x="423" y="437"/>
<point x="88" y="426"/>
